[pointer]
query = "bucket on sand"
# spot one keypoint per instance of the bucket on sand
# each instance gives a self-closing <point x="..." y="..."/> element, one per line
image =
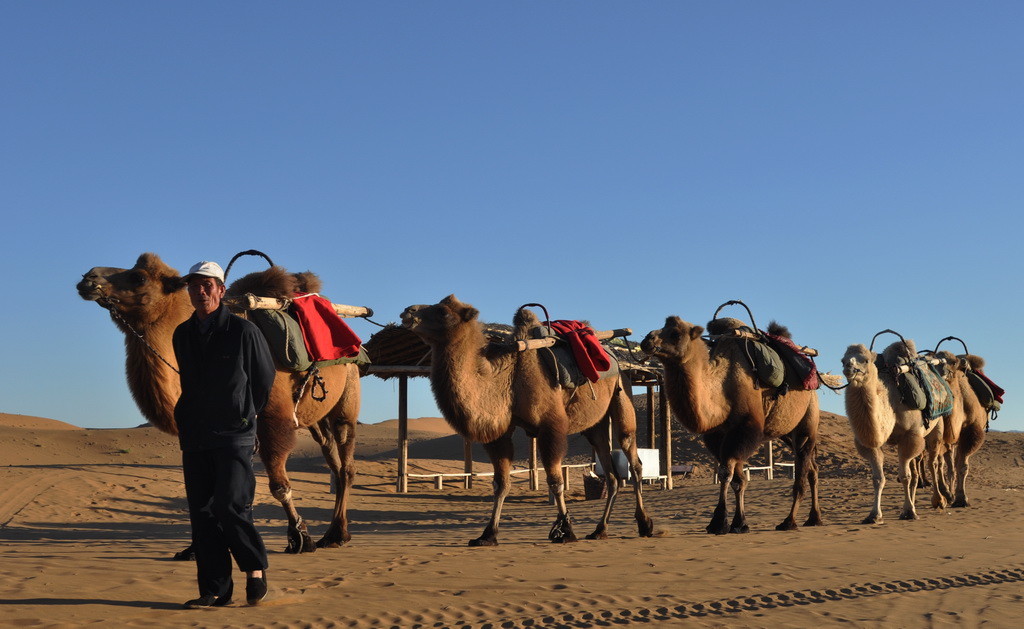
<point x="593" y="486"/>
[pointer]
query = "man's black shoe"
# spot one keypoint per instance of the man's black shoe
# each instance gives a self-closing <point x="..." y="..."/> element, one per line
<point x="256" y="589"/>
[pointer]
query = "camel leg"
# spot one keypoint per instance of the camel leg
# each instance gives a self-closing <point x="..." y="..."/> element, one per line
<point x="274" y="454"/>
<point x="805" y="470"/>
<point x="948" y="466"/>
<point x="500" y="452"/>
<point x="739" y="488"/>
<point x="552" y="442"/>
<point x="909" y="447"/>
<point x="645" y="526"/>
<point x="598" y="437"/>
<point x="814" y="517"/>
<point x="624" y="419"/>
<point x="719" y="520"/>
<point x="338" y="446"/>
<point x="932" y="463"/>
<point x="971" y="438"/>
<point x="874" y="459"/>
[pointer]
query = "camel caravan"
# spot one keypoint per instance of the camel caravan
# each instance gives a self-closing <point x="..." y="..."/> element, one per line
<point x="734" y="385"/>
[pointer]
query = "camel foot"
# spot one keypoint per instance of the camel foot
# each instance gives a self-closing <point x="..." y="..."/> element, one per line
<point x="960" y="503"/>
<point x="874" y="518"/>
<point x="814" y="520"/>
<point x="717" y="528"/>
<point x="185" y="555"/>
<point x="908" y="515"/>
<point x="598" y="534"/>
<point x="483" y="541"/>
<point x="743" y="528"/>
<point x="645" y="527"/>
<point x="787" y="525"/>
<point x="299" y="541"/>
<point x="333" y="539"/>
<point x="938" y="504"/>
<point x="561" y="531"/>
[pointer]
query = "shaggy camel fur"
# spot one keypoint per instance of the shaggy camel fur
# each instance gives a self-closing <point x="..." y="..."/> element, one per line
<point x="963" y="429"/>
<point x="878" y="416"/>
<point x="149" y="300"/>
<point x="717" y="398"/>
<point x="486" y="391"/>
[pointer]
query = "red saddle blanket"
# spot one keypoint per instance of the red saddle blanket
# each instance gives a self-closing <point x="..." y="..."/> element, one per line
<point x="586" y="349"/>
<point x="327" y="336"/>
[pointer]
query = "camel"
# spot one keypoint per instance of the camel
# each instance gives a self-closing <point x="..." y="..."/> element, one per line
<point x="717" y="397"/>
<point x="963" y="429"/>
<point x="487" y="390"/>
<point x="878" y="416"/>
<point x="149" y="300"/>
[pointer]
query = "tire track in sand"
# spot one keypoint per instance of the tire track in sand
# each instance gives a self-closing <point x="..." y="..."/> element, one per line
<point x="20" y="493"/>
<point x="626" y="611"/>
<point x="754" y="602"/>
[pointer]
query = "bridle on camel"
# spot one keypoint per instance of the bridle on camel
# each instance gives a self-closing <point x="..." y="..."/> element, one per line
<point x="108" y="303"/>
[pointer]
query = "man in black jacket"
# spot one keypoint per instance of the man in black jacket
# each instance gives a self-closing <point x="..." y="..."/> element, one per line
<point x="226" y="376"/>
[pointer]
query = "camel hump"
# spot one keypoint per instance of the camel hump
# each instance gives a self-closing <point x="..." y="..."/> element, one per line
<point x="725" y="324"/>
<point x="275" y="282"/>
<point x="525" y="319"/>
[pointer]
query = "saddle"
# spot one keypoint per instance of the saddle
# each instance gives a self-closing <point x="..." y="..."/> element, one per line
<point x="576" y="357"/>
<point x="778" y="362"/>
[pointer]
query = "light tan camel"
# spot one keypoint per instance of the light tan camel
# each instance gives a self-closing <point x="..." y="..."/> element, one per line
<point x="717" y="398"/>
<point x="963" y="429"/>
<point x="878" y="416"/>
<point x="147" y="302"/>
<point x="486" y="391"/>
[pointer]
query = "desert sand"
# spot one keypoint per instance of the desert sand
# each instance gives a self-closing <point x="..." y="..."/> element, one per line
<point x="90" y="518"/>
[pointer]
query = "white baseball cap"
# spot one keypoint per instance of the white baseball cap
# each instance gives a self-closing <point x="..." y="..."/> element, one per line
<point x="207" y="269"/>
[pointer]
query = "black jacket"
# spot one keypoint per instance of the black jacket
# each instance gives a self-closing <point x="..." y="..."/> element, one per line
<point x="226" y="379"/>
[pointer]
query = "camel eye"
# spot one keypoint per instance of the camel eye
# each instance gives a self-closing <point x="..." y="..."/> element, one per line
<point x="137" y="278"/>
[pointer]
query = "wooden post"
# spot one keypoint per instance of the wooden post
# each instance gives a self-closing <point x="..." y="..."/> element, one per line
<point x="652" y="433"/>
<point x="666" y="434"/>
<point x="771" y="460"/>
<point x="403" y="434"/>
<point x="467" y="466"/>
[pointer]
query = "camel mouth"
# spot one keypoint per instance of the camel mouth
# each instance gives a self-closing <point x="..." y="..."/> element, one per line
<point x="409" y="318"/>
<point x="89" y="291"/>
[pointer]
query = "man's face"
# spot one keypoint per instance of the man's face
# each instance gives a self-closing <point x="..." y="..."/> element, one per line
<point x="205" y="293"/>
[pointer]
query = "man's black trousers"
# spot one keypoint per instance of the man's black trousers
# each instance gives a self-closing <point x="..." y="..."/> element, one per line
<point x="220" y="485"/>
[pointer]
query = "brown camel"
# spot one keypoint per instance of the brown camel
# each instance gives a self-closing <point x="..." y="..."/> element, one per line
<point x="718" y="398"/>
<point x="487" y="390"/>
<point x="878" y="416"/>
<point x="963" y="428"/>
<point x="148" y="301"/>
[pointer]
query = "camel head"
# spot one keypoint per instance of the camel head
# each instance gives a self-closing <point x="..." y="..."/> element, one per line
<point x="438" y="322"/>
<point x="859" y="363"/>
<point x="673" y="342"/>
<point x="141" y="294"/>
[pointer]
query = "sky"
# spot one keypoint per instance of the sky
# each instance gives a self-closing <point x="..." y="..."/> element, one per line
<point x="842" y="168"/>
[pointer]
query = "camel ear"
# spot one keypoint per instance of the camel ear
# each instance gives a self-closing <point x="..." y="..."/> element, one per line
<point x="173" y="284"/>
<point x="469" y="314"/>
<point x="695" y="332"/>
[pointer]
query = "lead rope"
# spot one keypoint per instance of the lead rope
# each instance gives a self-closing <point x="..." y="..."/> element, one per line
<point x="108" y="303"/>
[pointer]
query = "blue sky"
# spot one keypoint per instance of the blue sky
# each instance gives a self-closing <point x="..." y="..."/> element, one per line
<point x="840" y="167"/>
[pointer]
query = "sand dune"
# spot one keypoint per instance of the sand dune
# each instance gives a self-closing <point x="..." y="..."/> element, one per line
<point x="90" y="518"/>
